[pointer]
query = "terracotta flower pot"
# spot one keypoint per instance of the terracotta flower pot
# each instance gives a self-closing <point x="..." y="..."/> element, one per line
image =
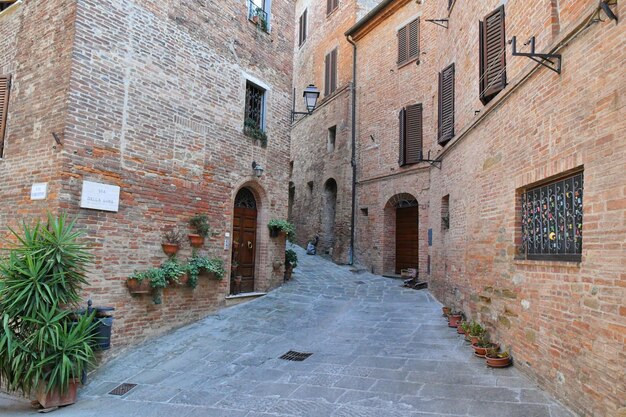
<point x="459" y="328"/>
<point x="138" y="287"/>
<point x="473" y="339"/>
<point x="55" y="398"/>
<point x="446" y="311"/>
<point x="482" y="351"/>
<point x="196" y="240"/>
<point x="454" y="320"/>
<point x="170" y="249"/>
<point x="288" y="272"/>
<point x="498" y="362"/>
<point x="182" y="280"/>
<point x="274" y="232"/>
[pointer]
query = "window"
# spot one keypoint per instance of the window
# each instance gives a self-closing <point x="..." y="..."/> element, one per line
<point x="410" y="135"/>
<point x="552" y="220"/>
<point x="332" y="134"/>
<point x="365" y="211"/>
<point x="492" y="55"/>
<point x="5" y="4"/>
<point x="446" y="105"/>
<point x="310" y="185"/>
<point x="302" y="31"/>
<point x="330" y="74"/>
<point x="331" y="5"/>
<point x="254" y="122"/>
<point x="445" y="212"/>
<point x="408" y="42"/>
<point x="291" y="168"/>
<point x="5" y="86"/>
<point x="258" y="13"/>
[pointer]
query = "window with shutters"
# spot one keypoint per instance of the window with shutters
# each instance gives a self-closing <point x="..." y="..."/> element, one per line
<point x="409" y="42"/>
<point x="5" y="86"/>
<point x="492" y="46"/>
<point x="446" y="105"/>
<point x="410" y="135"/>
<point x="552" y="220"/>
<point x="331" y="5"/>
<point x="330" y="73"/>
<point x="5" y="4"/>
<point x="302" y="28"/>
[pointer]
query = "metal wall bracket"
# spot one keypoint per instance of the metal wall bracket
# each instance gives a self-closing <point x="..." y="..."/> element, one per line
<point x="433" y="162"/>
<point x="439" y="22"/>
<point x="547" y="60"/>
<point x="605" y="6"/>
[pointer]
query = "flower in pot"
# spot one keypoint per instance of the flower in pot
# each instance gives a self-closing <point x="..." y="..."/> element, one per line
<point x="174" y="272"/>
<point x="475" y="332"/>
<point x="291" y="261"/>
<point x="480" y="347"/>
<point x="497" y="359"/>
<point x="171" y="242"/>
<point x="277" y="226"/>
<point x="203" y="265"/>
<point x="462" y="327"/>
<point x="455" y="318"/>
<point x="200" y="224"/>
<point x="138" y="283"/>
<point x="44" y="346"/>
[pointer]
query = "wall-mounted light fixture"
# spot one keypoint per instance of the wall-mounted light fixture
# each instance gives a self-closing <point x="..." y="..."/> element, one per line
<point x="258" y="169"/>
<point x="311" y="94"/>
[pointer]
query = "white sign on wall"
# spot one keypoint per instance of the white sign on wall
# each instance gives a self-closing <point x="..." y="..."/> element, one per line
<point x="100" y="196"/>
<point x="39" y="191"/>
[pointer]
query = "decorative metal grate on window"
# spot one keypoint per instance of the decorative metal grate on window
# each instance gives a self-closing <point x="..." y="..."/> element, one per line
<point x="552" y="220"/>
<point x="257" y="14"/>
<point x="254" y="104"/>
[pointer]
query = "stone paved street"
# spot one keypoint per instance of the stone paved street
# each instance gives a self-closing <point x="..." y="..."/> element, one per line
<point x="378" y="350"/>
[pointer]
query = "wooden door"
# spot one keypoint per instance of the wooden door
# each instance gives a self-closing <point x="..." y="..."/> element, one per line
<point x="406" y="238"/>
<point x="244" y="245"/>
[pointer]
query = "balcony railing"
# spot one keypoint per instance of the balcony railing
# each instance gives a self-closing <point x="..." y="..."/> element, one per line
<point x="257" y="15"/>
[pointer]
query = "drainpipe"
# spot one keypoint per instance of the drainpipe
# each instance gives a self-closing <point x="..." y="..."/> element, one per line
<point x="353" y="159"/>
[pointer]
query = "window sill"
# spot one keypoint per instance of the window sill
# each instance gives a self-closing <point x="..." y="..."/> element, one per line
<point x="258" y="26"/>
<point x="415" y="60"/>
<point x="542" y="263"/>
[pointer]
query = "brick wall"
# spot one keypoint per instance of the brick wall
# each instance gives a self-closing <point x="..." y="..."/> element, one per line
<point x="562" y="321"/>
<point x="156" y="106"/>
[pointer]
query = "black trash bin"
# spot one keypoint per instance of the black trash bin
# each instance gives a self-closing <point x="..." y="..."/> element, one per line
<point x="103" y="325"/>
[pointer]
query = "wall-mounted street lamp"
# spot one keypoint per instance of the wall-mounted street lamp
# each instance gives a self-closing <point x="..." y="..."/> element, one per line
<point x="311" y="94"/>
<point x="258" y="169"/>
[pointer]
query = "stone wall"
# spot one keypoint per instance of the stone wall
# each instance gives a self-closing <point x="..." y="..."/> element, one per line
<point x="562" y="321"/>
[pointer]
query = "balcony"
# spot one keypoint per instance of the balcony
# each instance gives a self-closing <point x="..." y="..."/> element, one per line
<point x="258" y="16"/>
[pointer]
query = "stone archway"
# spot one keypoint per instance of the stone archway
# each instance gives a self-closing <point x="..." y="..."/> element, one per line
<point x="329" y="212"/>
<point x="401" y="234"/>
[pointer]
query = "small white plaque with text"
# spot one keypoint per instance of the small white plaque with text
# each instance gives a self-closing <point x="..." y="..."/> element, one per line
<point x="39" y="191"/>
<point x="99" y="196"/>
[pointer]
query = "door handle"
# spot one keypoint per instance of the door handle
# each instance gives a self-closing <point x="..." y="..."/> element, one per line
<point x="249" y="245"/>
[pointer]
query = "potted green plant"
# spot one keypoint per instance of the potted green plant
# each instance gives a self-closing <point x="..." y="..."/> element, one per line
<point x="44" y="347"/>
<point x="291" y="261"/>
<point x="446" y="311"/>
<point x="497" y="359"/>
<point x="251" y="129"/>
<point x="454" y="318"/>
<point x="200" y="224"/>
<point x="475" y="332"/>
<point x="277" y="226"/>
<point x="480" y="347"/>
<point x="174" y="272"/>
<point x="171" y="242"/>
<point x="155" y="278"/>
<point x="203" y="265"/>
<point x="138" y="283"/>
<point x="463" y="327"/>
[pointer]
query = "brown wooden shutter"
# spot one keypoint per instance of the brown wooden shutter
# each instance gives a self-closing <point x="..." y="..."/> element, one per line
<point x="493" y="55"/>
<point x="5" y="86"/>
<point x="304" y="26"/>
<point x="446" y="104"/>
<point x="329" y="6"/>
<point x="413" y="134"/>
<point x="327" y="75"/>
<point x="402" y="123"/>
<point x="333" y="70"/>
<point x="300" y="30"/>
<point x="413" y="41"/>
<point x="402" y="45"/>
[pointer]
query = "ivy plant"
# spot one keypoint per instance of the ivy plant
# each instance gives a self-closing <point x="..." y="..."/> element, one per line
<point x="283" y="226"/>
<point x="202" y="264"/>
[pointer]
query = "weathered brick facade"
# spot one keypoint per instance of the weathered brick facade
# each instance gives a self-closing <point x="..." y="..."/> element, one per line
<point x="148" y="96"/>
<point x="562" y="321"/>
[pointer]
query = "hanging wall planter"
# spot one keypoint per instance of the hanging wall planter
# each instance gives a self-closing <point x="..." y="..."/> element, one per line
<point x="277" y="226"/>
<point x="196" y="241"/>
<point x="200" y="223"/>
<point x="138" y="286"/>
<point x="171" y="242"/>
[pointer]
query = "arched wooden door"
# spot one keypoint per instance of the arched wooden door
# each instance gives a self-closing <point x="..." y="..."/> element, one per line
<point x="244" y="238"/>
<point x="407" y="236"/>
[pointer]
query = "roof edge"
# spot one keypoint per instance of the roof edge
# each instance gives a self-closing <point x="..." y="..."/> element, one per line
<point x="375" y="12"/>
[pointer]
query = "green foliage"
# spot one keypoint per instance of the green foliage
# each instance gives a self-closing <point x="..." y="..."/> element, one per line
<point x="43" y="275"/>
<point x="172" y="270"/>
<point x="291" y="258"/>
<point x="200" y="223"/>
<point x="283" y="226"/>
<point x="203" y="264"/>
<point x="475" y="329"/>
<point x="156" y="276"/>
<point x="251" y="129"/>
<point x="172" y="236"/>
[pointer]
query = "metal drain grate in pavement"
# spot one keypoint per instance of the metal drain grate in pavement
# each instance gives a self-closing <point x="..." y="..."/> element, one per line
<point x="292" y="355"/>
<point x="122" y="389"/>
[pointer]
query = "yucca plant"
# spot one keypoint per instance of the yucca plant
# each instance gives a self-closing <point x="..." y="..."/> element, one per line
<point x="42" y="342"/>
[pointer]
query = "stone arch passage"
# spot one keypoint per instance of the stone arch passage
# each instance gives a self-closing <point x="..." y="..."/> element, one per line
<point x="329" y="211"/>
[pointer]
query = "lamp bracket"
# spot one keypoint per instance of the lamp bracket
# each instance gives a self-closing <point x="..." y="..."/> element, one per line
<point x="550" y="61"/>
<point x="439" y="22"/>
<point x="433" y="162"/>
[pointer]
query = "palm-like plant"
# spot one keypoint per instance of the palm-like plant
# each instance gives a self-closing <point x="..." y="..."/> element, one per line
<point x="41" y="342"/>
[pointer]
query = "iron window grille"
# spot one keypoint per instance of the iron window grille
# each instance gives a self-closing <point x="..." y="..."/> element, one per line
<point x="552" y="220"/>
<point x="254" y="105"/>
<point x="258" y="15"/>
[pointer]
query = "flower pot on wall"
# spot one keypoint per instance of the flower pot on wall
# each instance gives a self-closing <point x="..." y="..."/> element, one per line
<point x="138" y="287"/>
<point x="55" y="398"/>
<point x="274" y="232"/>
<point x="196" y="240"/>
<point x="170" y="249"/>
